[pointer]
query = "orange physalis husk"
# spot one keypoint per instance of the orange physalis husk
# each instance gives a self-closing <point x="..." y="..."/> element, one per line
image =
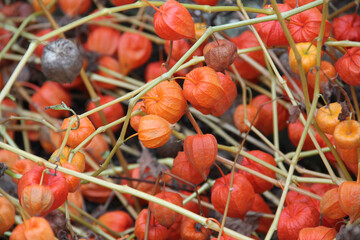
<point x="330" y="205"/>
<point x="154" y="131"/>
<point x="319" y="232"/>
<point x="167" y="101"/>
<point x="349" y="199"/>
<point x="173" y="21"/>
<point x="76" y="136"/>
<point x="347" y="134"/>
<point x="202" y="88"/>
<point x="134" y="50"/>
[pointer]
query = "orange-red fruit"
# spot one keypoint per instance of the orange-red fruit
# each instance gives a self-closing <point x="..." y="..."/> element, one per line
<point x="33" y="228"/>
<point x="7" y="215"/>
<point x="349" y="199"/>
<point x="242" y="195"/>
<point x="296" y="197"/>
<point x="327" y="117"/>
<point x="330" y="205"/>
<point x="37" y="199"/>
<point x="173" y="21"/>
<point x="72" y="182"/>
<point x="295" y="217"/>
<point x="308" y="54"/>
<point x="327" y="73"/>
<point x="111" y="64"/>
<point x="112" y="113"/>
<point x="260" y="206"/>
<point x="121" y="2"/>
<point x="76" y="136"/>
<point x="185" y="170"/>
<point x="22" y="166"/>
<point x="347" y="134"/>
<point x="191" y="230"/>
<point x="167" y="101"/>
<point x="348" y="66"/>
<point x="320" y="232"/>
<point x="78" y="159"/>
<point x="103" y="40"/>
<point x="156" y="231"/>
<point x="154" y="70"/>
<point x="164" y="215"/>
<point x="154" y="131"/>
<point x="51" y="93"/>
<point x="95" y="193"/>
<point x="239" y="118"/>
<point x="271" y="32"/>
<point x="260" y="185"/>
<point x="247" y="40"/>
<point x="133" y="51"/>
<point x="201" y="151"/>
<point x="7" y="157"/>
<point x="72" y="8"/>
<point x="77" y="199"/>
<point x="305" y="26"/>
<point x="265" y="116"/>
<point x="97" y="147"/>
<point x="230" y="93"/>
<point x="347" y="27"/>
<point x="207" y="2"/>
<point x="202" y="88"/>
<point x="134" y="121"/>
<point x="296" y="129"/>
<point x="117" y="221"/>
<point x="40" y="48"/>
<point x="219" y="55"/>
<point x="37" y="7"/>
<point x="179" y="48"/>
<point x="292" y="3"/>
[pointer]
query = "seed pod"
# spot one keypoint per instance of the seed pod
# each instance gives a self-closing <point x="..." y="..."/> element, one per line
<point x="61" y="61"/>
<point x="220" y="55"/>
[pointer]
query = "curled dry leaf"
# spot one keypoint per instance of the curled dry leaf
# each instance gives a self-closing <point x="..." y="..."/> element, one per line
<point x="294" y="113"/>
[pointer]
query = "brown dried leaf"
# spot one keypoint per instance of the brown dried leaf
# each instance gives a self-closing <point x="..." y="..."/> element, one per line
<point x="147" y="160"/>
<point x="294" y="113"/>
<point x="327" y="90"/>
<point x="344" y="111"/>
<point x="245" y="227"/>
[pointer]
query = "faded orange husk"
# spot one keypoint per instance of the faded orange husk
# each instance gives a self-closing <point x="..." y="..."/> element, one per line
<point x="330" y="205"/>
<point x="37" y="199"/>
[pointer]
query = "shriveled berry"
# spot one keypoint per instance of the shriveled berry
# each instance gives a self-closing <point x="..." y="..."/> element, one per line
<point x="61" y="61"/>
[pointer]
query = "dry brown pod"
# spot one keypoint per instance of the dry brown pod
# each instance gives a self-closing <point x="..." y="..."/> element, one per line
<point x="219" y="55"/>
<point x="61" y="61"/>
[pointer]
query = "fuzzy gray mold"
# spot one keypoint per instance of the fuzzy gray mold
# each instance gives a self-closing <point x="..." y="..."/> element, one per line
<point x="61" y="61"/>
